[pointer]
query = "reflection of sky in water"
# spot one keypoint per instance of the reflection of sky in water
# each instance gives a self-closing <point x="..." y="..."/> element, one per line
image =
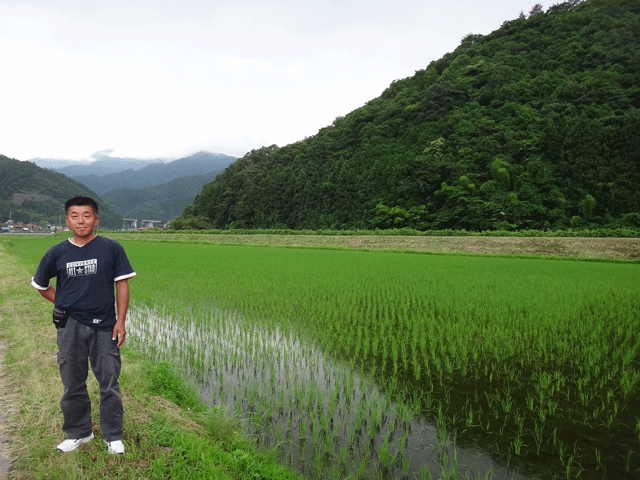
<point x="319" y="412"/>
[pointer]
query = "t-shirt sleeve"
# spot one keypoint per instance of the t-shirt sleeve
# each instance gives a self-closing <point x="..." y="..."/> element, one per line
<point x="46" y="270"/>
<point x="123" y="268"/>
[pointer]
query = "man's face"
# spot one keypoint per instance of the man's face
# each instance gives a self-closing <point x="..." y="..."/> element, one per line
<point x="81" y="220"/>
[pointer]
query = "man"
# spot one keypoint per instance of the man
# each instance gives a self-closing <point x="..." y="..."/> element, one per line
<point x="86" y="268"/>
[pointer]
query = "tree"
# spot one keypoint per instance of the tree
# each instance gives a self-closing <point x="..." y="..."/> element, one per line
<point x="500" y="172"/>
<point x="422" y="175"/>
<point x="586" y="206"/>
<point x="536" y="10"/>
<point x="466" y="184"/>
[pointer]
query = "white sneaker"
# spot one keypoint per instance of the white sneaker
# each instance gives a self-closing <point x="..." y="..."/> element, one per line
<point x="115" y="447"/>
<point x="70" y="444"/>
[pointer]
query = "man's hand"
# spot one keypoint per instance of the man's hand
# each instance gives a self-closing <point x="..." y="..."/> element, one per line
<point x="119" y="332"/>
<point x="122" y="299"/>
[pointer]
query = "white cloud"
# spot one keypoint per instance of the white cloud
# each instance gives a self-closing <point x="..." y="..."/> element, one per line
<point x="166" y="78"/>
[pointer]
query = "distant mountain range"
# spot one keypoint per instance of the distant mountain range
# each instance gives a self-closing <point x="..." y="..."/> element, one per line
<point x="102" y="165"/>
<point x="107" y="173"/>
<point x="160" y="202"/>
<point x="124" y="187"/>
<point x="154" y="189"/>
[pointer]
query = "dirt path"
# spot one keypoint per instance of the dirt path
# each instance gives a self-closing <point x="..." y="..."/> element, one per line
<point x="5" y="387"/>
<point x="5" y="453"/>
<point x="610" y="248"/>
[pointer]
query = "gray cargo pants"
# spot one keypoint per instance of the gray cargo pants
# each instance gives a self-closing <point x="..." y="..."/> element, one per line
<point x="78" y="343"/>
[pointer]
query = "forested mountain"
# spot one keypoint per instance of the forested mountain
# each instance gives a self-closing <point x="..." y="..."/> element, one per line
<point x="29" y="193"/>
<point x="152" y="174"/>
<point x="535" y="125"/>
<point x="161" y="202"/>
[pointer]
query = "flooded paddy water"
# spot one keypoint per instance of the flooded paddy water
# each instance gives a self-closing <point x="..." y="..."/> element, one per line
<point x="325" y="419"/>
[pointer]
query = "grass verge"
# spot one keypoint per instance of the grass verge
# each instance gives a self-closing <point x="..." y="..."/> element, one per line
<point x="168" y="434"/>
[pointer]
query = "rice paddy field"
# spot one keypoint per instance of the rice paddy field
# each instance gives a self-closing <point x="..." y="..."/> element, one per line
<point x="390" y="365"/>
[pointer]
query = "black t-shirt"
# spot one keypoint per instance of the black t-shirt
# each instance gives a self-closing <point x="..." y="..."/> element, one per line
<point x="85" y="278"/>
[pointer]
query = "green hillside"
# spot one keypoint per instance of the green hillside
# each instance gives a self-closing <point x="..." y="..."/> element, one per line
<point x="29" y="193"/>
<point x="161" y="202"/>
<point x="532" y="126"/>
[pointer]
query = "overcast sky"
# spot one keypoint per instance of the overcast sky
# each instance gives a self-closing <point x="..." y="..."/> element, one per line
<point x="168" y="78"/>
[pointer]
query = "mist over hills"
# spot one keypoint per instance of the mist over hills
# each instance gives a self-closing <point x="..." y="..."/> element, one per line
<point x="102" y="165"/>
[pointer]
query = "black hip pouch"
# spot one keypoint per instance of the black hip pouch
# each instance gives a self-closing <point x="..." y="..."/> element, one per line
<point x="59" y="317"/>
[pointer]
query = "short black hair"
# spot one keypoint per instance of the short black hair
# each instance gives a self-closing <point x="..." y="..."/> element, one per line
<point x="81" y="202"/>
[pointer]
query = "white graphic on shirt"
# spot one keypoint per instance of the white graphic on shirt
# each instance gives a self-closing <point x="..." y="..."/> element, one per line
<point x="85" y="267"/>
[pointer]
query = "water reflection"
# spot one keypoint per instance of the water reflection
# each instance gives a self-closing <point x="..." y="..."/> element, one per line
<point x="325" y="419"/>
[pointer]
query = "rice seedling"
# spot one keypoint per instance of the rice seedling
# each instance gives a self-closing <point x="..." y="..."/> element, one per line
<point x="421" y="328"/>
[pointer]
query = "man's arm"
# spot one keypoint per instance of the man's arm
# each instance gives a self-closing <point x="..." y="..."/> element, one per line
<point x="122" y="302"/>
<point x="49" y="294"/>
